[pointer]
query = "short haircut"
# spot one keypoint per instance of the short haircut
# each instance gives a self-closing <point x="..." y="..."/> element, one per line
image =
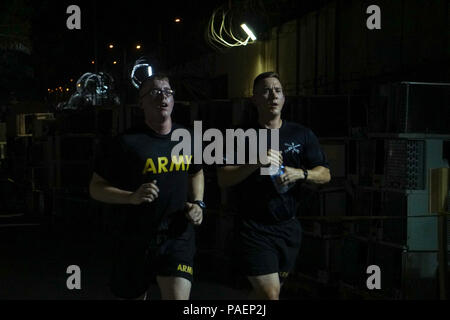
<point x="156" y="76"/>
<point x="264" y="75"/>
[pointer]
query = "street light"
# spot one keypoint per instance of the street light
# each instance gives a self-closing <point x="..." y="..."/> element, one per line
<point x="137" y="46"/>
<point x="126" y="49"/>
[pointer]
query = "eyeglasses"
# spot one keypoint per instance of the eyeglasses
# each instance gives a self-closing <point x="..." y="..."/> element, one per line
<point x="156" y="92"/>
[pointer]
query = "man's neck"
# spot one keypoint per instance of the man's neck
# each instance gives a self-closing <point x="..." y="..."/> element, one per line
<point x="270" y="123"/>
<point x="162" y="128"/>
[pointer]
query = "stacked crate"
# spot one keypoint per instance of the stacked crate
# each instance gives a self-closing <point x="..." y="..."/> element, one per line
<point x="391" y="181"/>
<point x="52" y="156"/>
<point x="334" y="119"/>
<point x="381" y="216"/>
<point x="75" y="145"/>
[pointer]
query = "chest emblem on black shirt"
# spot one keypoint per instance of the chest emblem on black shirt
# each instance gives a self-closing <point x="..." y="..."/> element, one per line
<point x="292" y="147"/>
<point x="161" y="164"/>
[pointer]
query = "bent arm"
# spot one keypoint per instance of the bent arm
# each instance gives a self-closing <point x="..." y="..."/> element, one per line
<point x="102" y="190"/>
<point x="319" y="175"/>
<point x="316" y="175"/>
<point x="196" y="186"/>
<point x="231" y="175"/>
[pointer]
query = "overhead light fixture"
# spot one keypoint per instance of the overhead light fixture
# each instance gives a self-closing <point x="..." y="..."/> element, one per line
<point x="111" y="46"/>
<point x="249" y="32"/>
<point x="223" y="33"/>
<point x="177" y="20"/>
<point x="138" y="47"/>
<point x="115" y="62"/>
<point x="93" y="62"/>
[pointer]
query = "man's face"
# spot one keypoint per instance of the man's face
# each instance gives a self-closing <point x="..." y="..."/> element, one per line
<point x="156" y="105"/>
<point x="268" y="97"/>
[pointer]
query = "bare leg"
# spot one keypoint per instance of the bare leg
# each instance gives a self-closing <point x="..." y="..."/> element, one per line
<point x="265" y="287"/>
<point x="174" y="288"/>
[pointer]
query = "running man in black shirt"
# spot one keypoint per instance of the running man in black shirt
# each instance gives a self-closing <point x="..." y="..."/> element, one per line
<point x="269" y="233"/>
<point x="158" y="198"/>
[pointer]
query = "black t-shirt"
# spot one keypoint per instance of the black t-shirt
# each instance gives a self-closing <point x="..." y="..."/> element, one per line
<point x="257" y="197"/>
<point x="141" y="155"/>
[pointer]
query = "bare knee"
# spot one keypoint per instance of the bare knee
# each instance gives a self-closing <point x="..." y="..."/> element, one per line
<point x="174" y="288"/>
<point x="266" y="286"/>
<point x="269" y="292"/>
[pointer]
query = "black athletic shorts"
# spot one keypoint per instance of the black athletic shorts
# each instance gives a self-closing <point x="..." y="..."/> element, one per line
<point x="264" y="249"/>
<point x="137" y="260"/>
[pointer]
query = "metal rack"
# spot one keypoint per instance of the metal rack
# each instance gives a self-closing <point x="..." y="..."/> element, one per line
<point x="385" y="218"/>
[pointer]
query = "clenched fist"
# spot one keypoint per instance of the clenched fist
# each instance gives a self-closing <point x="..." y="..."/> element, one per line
<point x="194" y="213"/>
<point x="147" y="192"/>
